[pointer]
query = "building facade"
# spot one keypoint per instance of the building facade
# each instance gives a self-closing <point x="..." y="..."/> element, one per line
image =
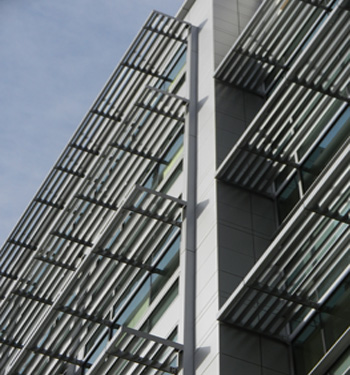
<point x="198" y="220"/>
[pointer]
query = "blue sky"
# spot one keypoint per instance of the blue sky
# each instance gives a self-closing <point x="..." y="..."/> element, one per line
<point x="55" y="58"/>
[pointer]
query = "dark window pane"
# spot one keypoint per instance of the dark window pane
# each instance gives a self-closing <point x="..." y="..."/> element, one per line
<point x="336" y="317"/>
<point x="308" y="347"/>
<point x="326" y="149"/>
<point x="164" y="304"/>
<point x="323" y="330"/>
<point x="167" y="265"/>
<point x="288" y="198"/>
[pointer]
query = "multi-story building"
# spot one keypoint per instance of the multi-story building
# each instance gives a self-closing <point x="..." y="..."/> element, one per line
<point x="198" y="220"/>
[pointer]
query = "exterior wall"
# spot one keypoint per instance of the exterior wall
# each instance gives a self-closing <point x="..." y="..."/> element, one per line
<point x="246" y="224"/>
<point x="227" y="226"/>
<point x="246" y="221"/>
<point x="285" y="34"/>
<point x="248" y="353"/>
<point x="230" y="19"/>
<point x="206" y="325"/>
<point x="233" y="227"/>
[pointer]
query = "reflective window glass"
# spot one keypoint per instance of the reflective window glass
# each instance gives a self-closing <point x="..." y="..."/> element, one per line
<point x="173" y="69"/>
<point x="336" y="315"/>
<point x="326" y="149"/>
<point x="151" y="286"/>
<point x="167" y="266"/>
<point x="101" y="344"/>
<point x="342" y="365"/>
<point x="163" y="306"/>
<point x="323" y="330"/>
<point x="162" y="169"/>
<point x="332" y="109"/>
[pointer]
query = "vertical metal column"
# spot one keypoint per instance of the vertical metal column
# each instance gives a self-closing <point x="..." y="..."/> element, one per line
<point x="188" y="253"/>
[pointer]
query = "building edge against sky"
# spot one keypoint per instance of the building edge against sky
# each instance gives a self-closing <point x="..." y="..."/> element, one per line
<point x="198" y="220"/>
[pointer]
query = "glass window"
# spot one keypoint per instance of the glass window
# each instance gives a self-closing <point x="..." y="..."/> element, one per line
<point x="173" y="154"/>
<point x="323" y="331"/>
<point x="336" y="315"/>
<point x="129" y="290"/>
<point x="137" y="306"/>
<point x="162" y="170"/>
<point x="151" y="287"/>
<point x="178" y="66"/>
<point x="301" y="40"/>
<point x="308" y="348"/>
<point x="333" y="274"/>
<point x="282" y="176"/>
<point x="333" y="108"/>
<point x="314" y="250"/>
<point x="326" y="149"/>
<point x="167" y="266"/>
<point x="174" y="69"/>
<point x="179" y="83"/>
<point x="163" y="306"/>
<point x="288" y="198"/>
<point x="98" y="348"/>
<point x="297" y="43"/>
<point x="315" y="162"/>
<point x="342" y="364"/>
<point x="30" y="357"/>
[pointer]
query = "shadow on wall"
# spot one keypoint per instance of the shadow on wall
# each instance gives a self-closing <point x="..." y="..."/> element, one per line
<point x="201" y="102"/>
<point x="201" y="355"/>
<point x="201" y="207"/>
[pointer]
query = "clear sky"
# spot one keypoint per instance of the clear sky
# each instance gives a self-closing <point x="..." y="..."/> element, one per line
<point x="55" y="57"/>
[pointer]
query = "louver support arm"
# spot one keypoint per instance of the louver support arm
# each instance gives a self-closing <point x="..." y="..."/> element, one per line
<point x="139" y="348"/>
